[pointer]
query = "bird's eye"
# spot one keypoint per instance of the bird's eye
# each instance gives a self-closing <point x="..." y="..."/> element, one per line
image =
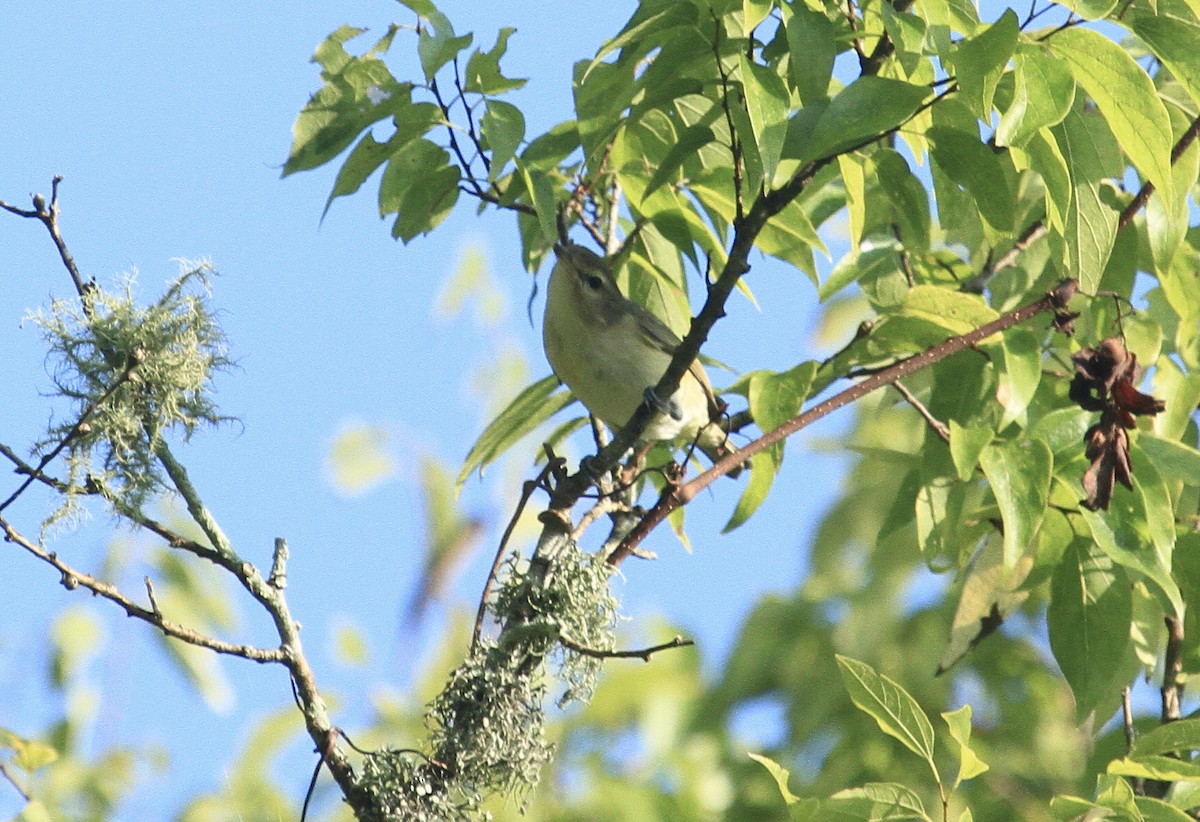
<point x="594" y="282"/>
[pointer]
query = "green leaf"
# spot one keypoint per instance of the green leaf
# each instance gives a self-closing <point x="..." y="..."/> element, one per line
<point x="980" y="60"/>
<point x="1019" y="474"/>
<point x="766" y="105"/>
<point x="779" y="774"/>
<point x="527" y="411"/>
<point x="908" y="197"/>
<point x="437" y="44"/>
<point x="1157" y="810"/>
<point x="366" y="157"/>
<point x="1180" y="735"/>
<point x="357" y="92"/>
<point x="1021" y="375"/>
<point x="873" y="802"/>
<point x="1046" y="158"/>
<point x="1044" y="92"/>
<point x="989" y="594"/>
<point x="541" y="188"/>
<point x="693" y="138"/>
<point x="1165" y="768"/>
<point x="812" y="47"/>
<point x="503" y="127"/>
<point x="972" y="165"/>
<point x="1123" y="534"/>
<point x="969" y="763"/>
<point x="1091" y="223"/>
<point x="419" y="186"/>
<point x="966" y="444"/>
<point x="893" y="709"/>
<point x="1091" y="9"/>
<point x="951" y="311"/>
<point x="483" y="68"/>
<point x="1167" y="220"/>
<point x="1089" y="616"/>
<point x="648" y="24"/>
<point x="753" y="13"/>
<point x="765" y="467"/>
<point x="868" y="108"/>
<point x="853" y="171"/>
<point x="1062" y="428"/>
<point x="790" y="236"/>
<point x="776" y="397"/>
<point x="1126" y="97"/>
<point x="1174" y="37"/>
<point x="1176" y="461"/>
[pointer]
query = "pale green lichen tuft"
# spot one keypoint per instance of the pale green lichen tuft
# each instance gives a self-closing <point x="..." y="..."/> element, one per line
<point x="138" y="373"/>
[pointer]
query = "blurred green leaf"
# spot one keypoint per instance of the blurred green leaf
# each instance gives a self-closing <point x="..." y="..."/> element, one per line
<point x="529" y="409"/>
<point x="360" y="459"/>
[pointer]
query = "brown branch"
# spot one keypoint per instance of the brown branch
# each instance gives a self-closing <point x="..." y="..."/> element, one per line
<point x="675" y="496"/>
<point x="72" y="579"/>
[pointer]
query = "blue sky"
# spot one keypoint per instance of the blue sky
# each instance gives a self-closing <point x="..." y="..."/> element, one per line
<point x="170" y="124"/>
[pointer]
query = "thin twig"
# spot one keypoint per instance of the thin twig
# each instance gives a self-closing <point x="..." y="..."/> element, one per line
<point x="1127" y="719"/>
<point x="72" y="578"/>
<point x="937" y="425"/>
<point x="1173" y="680"/>
<point x="1143" y="196"/>
<point x="83" y="420"/>
<point x="673" y="497"/>
<point x="643" y="654"/>
<point x="49" y="218"/>
<point x="526" y="492"/>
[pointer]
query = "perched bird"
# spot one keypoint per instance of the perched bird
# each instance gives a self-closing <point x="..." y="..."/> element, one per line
<point x="609" y="351"/>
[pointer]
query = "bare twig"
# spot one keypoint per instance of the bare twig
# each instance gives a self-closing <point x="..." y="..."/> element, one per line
<point x="49" y="218"/>
<point x="1127" y="719"/>
<point x="1173" y="680"/>
<point x="526" y="492"/>
<point x="72" y="578"/>
<point x="643" y="654"/>
<point x="937" y="425"/>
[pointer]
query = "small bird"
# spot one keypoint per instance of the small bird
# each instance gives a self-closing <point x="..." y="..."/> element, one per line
<point x="610" y="351"/>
